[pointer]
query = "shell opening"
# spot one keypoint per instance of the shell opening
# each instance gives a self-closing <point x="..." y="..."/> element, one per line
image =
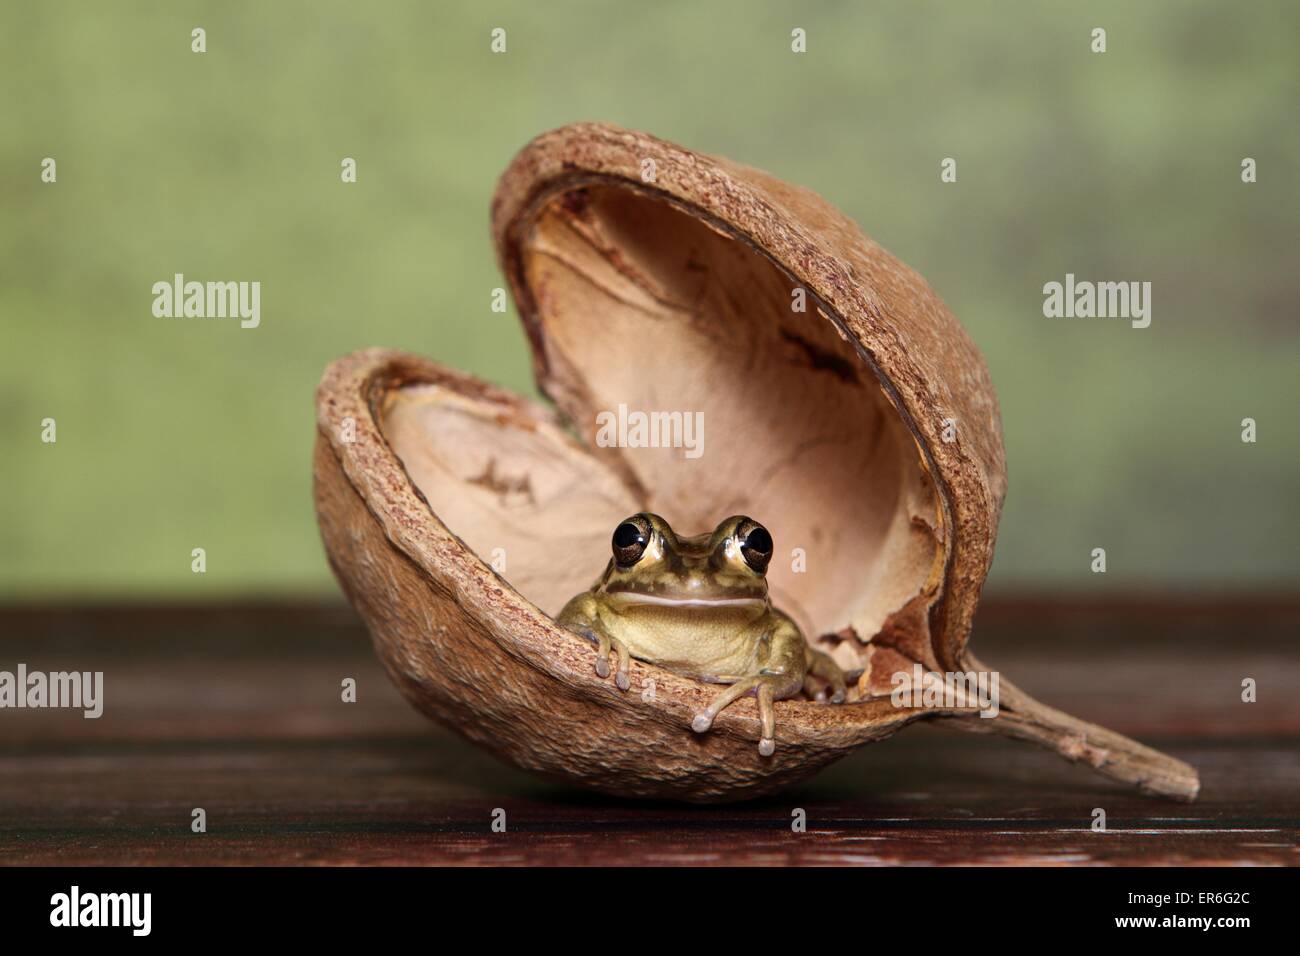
<point x="651" y="325"/>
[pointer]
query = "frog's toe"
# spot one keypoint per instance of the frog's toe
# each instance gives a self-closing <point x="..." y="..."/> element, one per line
<point x="767" y="747"/>
<point x="838" y="696"/>
<point x="702" y="722"/>
<point x="621" y="680"/>
<point x="602" y="666"/>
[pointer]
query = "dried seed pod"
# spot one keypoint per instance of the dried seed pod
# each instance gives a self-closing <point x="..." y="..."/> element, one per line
<point x="841" y="404"/>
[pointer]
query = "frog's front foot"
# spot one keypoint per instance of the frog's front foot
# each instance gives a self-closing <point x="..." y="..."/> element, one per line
<point x="604" y="645"/>
<point x="766" y="687"/>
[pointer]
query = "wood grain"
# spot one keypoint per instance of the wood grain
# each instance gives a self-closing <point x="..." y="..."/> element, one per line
<point x="238" y="711"/>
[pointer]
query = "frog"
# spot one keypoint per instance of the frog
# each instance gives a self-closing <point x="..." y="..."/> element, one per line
<point x="699" y="607"/>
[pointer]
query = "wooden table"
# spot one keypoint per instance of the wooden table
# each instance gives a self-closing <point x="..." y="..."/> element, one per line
<point x="237" y="710"/>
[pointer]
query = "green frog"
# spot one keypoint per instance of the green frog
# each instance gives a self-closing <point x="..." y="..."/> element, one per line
<point x="699" y="606"/>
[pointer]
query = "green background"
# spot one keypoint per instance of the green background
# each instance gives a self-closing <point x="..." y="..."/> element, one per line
<point x="175" y="434"/>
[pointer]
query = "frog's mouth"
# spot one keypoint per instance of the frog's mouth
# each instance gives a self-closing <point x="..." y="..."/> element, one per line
<point x="644" y="319"/>
<point x="634" y="598"/>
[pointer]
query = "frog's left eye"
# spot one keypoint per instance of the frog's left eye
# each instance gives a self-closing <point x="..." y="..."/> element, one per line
<point x="756" y="548"/>
<point x="630" y="541"/>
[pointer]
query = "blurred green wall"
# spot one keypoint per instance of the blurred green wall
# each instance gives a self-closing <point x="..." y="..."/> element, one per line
<point x="175" y="434"/>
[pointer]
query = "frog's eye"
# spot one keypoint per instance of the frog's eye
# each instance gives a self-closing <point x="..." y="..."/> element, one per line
<point x="756" y="548"/>
<point x="630" y="541"/>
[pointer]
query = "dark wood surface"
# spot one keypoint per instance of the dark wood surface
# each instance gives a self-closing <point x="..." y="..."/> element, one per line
<point x="238" y="711"/>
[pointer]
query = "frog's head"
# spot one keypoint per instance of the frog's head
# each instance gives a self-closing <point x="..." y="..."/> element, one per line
<point x="652" y="566"/>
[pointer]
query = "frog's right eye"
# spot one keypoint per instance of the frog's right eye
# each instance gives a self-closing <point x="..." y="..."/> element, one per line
<point x="630" y="541"/>
<point x="756" y="547"/>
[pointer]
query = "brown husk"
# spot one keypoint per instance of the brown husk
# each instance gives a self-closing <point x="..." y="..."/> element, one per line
<point x="828" y="425"/>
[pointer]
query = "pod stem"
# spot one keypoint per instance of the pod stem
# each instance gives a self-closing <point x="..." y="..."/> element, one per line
<point x="1106" y="751"/>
